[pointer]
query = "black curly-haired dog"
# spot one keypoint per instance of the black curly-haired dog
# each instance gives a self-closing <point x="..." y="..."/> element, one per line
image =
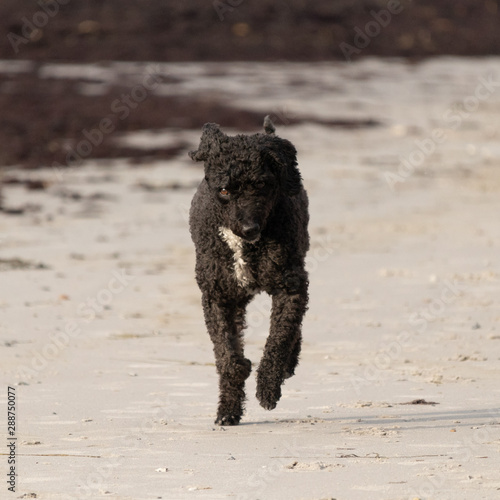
<point x="248" y="221"/>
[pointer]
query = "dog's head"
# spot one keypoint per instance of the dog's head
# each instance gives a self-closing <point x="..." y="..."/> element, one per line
<point x="247" y="174"/>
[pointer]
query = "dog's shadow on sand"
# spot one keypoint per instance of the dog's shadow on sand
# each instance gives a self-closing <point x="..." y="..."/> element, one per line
<point x="408" y="420"/>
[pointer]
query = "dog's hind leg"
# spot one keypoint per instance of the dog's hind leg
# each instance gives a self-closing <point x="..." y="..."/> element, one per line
<point x="225" y="323"/>
<point x="282" y="348"/>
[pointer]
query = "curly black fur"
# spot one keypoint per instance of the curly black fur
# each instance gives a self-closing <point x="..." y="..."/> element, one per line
<point x="248" y="221"/>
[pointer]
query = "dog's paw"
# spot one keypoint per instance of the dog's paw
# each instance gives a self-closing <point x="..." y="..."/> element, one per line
<point x="227" y="420"/>
<point x="268" y="391"/>
<point x="267" y="404"/>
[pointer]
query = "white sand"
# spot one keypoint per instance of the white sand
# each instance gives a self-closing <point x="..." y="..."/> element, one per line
<point x="117" y="399"/>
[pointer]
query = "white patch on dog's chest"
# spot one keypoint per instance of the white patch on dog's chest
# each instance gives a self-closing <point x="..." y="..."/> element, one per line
<point x="243" y="275"/>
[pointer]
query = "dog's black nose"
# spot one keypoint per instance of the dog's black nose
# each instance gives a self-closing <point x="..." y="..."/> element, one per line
<point x="250" y="231"/>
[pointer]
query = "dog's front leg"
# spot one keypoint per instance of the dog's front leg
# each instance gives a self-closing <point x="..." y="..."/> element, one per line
<point x="282" y="348"/>
<point x="225" y="323"/>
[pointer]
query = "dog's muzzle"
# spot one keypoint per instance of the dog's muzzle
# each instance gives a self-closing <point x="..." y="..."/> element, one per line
<point x="250" y="231"/>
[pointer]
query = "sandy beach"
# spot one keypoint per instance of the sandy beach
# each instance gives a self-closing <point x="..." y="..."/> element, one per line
<point x="396" y="396"/>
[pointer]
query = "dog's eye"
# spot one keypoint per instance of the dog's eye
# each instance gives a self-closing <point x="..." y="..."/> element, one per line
<point x="224" y="192"/>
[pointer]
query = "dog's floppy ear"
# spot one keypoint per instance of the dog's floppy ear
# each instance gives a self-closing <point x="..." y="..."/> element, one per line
<point x="283" y="155"/>
<point x="211" y="136"/>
